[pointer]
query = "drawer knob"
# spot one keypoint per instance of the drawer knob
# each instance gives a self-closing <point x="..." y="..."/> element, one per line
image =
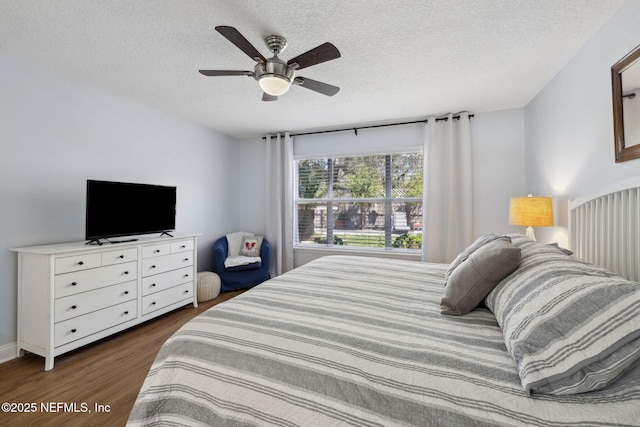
<point x="153" y="266"/>
<point x="73" y="331"/>
<point x="121" y="256"/>
<point x="187" y="291"/>
<point x="126" y="272"/>
<point x="153" y="303"/>
<point x="186" y="259"/>
<point x="74" y="283"/>
<point x="186" y="275"/>
<point x="126" y="312"/>
<point x="153" y="285"/>
<point x="81" y="263"/>
<point x="73" y="307"/>
<point x="157" y="251"/>
<point x="126" y="292"/>
<point x="182" y="247"/>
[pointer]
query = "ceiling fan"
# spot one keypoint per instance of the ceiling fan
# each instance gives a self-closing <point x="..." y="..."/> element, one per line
<point x="275" y="76"/>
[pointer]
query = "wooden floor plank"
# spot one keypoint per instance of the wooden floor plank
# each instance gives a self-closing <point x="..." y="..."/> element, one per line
<point x="108" y="372"/>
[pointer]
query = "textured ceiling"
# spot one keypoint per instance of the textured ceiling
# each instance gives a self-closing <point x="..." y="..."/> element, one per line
<point x="400" y="60"/>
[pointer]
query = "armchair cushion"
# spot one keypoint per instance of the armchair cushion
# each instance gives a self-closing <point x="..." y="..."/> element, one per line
<point x="242" y="261"/>
<point x="245" y="267"/>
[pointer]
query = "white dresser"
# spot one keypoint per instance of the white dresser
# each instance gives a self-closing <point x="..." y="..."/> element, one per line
<point x="72" y="294"/>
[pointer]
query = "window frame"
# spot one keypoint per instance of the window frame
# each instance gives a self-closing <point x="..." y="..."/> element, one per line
<point x="388" y="200"/>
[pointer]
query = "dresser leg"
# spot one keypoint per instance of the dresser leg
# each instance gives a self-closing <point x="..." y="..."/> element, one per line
<point x="48" y="363"/>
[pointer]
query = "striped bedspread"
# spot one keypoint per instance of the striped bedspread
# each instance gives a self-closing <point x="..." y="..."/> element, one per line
<point x="360" y="342"/>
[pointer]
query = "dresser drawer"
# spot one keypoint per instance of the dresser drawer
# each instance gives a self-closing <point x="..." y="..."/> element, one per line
<point x="160" y="249"/>
<point x="83" y="281"/>
<point x="160" y="282"/>
<point x="78" y="262"/>
<point x="167" y="297"/>
<point x="118" y="257"/>
<point x="181" y="246"/>
<point x="86" y="302"/>
<point x="82" y="326"/>
<point x="166" y="263"/>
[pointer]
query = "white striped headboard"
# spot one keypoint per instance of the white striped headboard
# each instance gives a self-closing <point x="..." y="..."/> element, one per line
<point x="604" y="228"/>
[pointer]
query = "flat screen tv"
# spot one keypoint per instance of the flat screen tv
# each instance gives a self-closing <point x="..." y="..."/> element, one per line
<point x="116" y="209"/>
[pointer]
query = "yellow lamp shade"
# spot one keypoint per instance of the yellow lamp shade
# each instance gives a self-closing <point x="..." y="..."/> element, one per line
<point x="531" y="212"/>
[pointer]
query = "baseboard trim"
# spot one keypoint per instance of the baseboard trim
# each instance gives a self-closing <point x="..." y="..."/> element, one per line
<point x="8" y="352"/>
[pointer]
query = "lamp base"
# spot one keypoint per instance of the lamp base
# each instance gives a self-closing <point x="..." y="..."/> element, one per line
<point x="529" y="233"/>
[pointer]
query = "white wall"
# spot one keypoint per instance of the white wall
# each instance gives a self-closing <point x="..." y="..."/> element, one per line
<point x="569" y="125"/>
<point x="252" y="186"/>
<point x="498" y="174"/>
<point x="55" y="135"/>
<point x="498" y="156"/>
<point x="374" y="140"/>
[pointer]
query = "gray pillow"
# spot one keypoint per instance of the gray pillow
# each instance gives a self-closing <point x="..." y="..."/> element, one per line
<point x="462" y="256"/>
<point x="570" y="327"/>
<point x="475" y="277"/>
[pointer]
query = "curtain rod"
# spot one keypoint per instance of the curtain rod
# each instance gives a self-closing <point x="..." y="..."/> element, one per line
<point x="355" y="129"/>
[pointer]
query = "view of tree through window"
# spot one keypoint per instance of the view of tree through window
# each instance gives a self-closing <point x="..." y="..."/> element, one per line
<point x="365" y="201"/>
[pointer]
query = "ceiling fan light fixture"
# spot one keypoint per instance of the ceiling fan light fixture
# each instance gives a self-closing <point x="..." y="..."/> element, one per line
<point x="274" y="85"/>
<point x="274" y="75"/>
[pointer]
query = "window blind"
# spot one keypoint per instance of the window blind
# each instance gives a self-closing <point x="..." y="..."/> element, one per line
<point x="371" y="201"/>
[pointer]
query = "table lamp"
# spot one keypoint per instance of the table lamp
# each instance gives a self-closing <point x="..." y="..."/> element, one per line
<point x="531" y="212"/>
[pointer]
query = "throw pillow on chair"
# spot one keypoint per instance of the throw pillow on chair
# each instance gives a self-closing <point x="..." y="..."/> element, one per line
<point x="251" y="246"/>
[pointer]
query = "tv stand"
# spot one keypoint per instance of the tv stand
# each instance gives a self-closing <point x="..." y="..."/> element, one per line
<point x="70" y="294"/>
<point x="123" y="241"/>
<point x="103" y="240"/>
<point x="98" y="242"/>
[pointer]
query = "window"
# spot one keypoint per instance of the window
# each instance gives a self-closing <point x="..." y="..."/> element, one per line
<point x="364" y="201"/>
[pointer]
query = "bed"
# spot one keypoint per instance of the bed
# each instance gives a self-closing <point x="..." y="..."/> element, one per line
<point x="361" y="341"/>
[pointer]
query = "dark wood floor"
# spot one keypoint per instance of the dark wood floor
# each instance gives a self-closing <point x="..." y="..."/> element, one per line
<point x="108" y="373"/>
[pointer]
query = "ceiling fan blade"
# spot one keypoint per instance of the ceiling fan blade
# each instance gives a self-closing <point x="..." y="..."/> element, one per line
<point x="323" y="53"/>
<point x="226" y="73"/>
<point x="267" y="97"/>
<point x="241" y="43"/>
<point x="323" y="88"/>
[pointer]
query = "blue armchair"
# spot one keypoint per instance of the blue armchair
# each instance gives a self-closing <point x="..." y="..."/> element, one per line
<point x="243" y="276"/>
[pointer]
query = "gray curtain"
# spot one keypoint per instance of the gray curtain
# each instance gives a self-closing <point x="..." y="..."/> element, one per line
<point x="448" y="188"/>
<point x="279" y="209"/>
